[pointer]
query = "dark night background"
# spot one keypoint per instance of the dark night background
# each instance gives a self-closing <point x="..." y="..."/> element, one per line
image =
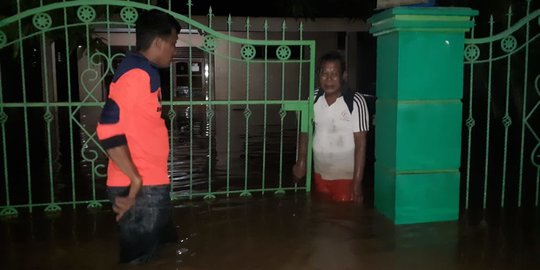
<point x="355" y="10"/>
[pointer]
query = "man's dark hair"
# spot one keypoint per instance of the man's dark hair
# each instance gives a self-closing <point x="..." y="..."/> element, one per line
<point x="153" y="24"/>
<point x="333" y="56"/>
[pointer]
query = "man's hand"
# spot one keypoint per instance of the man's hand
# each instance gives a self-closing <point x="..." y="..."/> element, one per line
<point x="122" y="158"/>
<point x="358" y="193"/>
<point x="123" y="204"/>
<point x="299" y="170"/>
<point x="359" y="164"/>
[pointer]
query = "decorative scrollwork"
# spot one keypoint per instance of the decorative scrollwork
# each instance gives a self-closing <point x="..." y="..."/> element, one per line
<point x="210" y="113"/>
<point x="245" y="194"/>
<point x="98" y="173"/>
<point x="48" y="117"/>
<point x="3" y="38"/>
<point x="283" y="52"/>
<point x="129" y="15"/>
<point x="209" y="197"/>
<point x="3" y="117"/>
<point x="282" y="114"/>
<point x="91" y="79"/>
<point x="209" y="43"/>
<point x="171" y="114"/>
<point x="247" y="112"/>
<point x="86" y="13"/>
<point x="508" y="44"/>
<point x="42" y="21"/>
<point x="472" y="52"/>
<point x="248" y="52"/>
<point x="535" y="156"/>
<point x="9" y="212"/>
<point x="111" y="61"/>
<point x="507" y="121"/>
<point x="470" y="122"/>
<point x="53" y="208"/>
<point x="94" y="205"/>
<point x="85" y="153"/>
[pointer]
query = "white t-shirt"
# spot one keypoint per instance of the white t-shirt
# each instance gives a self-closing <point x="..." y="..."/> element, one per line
<point x="333" y="142"/>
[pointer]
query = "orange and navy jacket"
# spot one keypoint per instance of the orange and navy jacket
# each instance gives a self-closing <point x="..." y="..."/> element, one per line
<point x="132" y="116"/>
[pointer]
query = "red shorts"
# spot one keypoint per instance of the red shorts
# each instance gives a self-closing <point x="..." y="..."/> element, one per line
<point x="339" y="190"/>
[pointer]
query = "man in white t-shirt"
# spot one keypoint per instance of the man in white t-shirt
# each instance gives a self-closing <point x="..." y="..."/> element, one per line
<point x="341" y="125"/>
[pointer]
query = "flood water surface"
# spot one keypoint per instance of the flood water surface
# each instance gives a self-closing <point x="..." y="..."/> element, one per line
<point x="296" y="231"/>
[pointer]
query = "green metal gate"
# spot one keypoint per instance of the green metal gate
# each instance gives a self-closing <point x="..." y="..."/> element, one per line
<point x="227" y="103"/>
<point x="502" y="115"/>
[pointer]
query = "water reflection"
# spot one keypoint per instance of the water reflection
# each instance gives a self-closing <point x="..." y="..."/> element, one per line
<point x="220" y="147"/>
<point x="212" y="148"/>
<point x="291" y="232"/>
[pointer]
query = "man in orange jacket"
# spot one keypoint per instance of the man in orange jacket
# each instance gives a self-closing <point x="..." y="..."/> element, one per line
<point x="136" y="140"/>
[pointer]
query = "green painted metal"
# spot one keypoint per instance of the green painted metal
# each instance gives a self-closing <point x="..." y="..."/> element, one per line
<point x="229" y="24"/>
<point x="418" y="131"/>
<point x="421" y="19"/>
<point x="7" y="210"/>
<point x="510" y="29"/>
<point x="504" y="49"/>
<point x="248" y="53"/>
<point x="71" y="135"/>
<point x="507" y="45"/>
<point x="189" y="4"/>
<point x="265" y="106"/>
<point x="434" y="206"/>
<point x="488" y="115"/>
<point x="469" y="52"/>
<point x="232" y="51"/>
<point x="301" y="112"/>
<point x="27" y="146"/>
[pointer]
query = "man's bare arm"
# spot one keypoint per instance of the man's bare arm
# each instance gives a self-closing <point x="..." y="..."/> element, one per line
<point x="359" y="164"/>
<point x="299" y="169"/>
<point x="121" y="157"/>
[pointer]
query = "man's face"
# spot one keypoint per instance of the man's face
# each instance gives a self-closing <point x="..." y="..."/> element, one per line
<point x="167" y="48"/>
<point x="330" y="77"/>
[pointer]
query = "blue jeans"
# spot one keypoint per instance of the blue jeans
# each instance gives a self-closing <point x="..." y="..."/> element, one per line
<point x="147" y="225"/>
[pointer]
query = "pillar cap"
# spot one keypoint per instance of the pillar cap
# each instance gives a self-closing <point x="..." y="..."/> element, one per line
<point x="422" y="19"/>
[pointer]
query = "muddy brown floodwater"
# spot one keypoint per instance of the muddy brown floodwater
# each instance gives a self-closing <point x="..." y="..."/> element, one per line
<point x="296" y="231"/>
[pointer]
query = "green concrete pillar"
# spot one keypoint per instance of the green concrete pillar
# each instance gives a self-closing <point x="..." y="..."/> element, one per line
<point x="418" y="113"/>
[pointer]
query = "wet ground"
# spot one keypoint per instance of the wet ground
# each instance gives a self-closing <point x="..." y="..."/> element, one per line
<point x="291" y="232"/>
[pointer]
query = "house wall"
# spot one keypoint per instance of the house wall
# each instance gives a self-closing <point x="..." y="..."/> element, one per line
<point x="281" y="81"/>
